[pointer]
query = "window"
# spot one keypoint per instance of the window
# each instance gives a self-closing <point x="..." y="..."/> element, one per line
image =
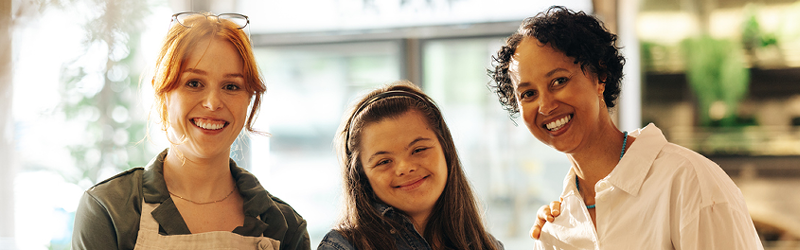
<point x="309" y="88"/>
<point x="511" y="172"/>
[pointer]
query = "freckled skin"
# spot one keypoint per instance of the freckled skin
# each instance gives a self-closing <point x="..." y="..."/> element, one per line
<point x="210" y="87"/>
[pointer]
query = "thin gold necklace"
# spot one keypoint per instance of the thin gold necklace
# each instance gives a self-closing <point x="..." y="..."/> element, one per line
<point x="203" y="203"/>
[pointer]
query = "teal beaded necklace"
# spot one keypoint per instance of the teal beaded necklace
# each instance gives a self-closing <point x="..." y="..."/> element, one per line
<point x="624" y="142"/>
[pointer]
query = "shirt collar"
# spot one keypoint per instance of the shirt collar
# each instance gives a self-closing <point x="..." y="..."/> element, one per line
<point x="569" y="184"/>
<point x="392" y="213"/>
<point x="630" y="172"/>
<point x="260" y="209"/>
<point x="153" y="185"/>
<point x="383" y="209"/>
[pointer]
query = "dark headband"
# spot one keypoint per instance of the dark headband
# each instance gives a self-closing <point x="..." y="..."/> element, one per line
<point x="384" y="95"/>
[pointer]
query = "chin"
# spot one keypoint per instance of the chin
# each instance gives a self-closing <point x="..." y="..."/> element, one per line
<point x="204" y="152"/>
<point x="567" y="149"/>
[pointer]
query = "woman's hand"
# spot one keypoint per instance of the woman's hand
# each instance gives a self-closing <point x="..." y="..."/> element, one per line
<point x="545" y="214"/>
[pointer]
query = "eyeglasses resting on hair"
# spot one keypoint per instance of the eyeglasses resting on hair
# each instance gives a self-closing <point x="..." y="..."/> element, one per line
<point x="239" y="19"/>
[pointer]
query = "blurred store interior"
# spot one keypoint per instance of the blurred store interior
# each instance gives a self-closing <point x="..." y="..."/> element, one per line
<point x="721" y="77"/>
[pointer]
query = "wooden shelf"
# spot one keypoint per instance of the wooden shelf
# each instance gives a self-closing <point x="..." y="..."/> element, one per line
<point x="764" y="84"/>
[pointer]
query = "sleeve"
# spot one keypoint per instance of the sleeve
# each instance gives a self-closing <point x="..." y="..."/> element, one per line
<point x="334" y="241"/>
<point x="720" y="226"/>
<point x="711" y="210"/>
<point x="94" y="228"/>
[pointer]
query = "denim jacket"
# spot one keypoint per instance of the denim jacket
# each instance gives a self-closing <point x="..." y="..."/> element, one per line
<point x="408" y="239"/>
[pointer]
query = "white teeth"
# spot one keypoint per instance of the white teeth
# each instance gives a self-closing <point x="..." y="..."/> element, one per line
<point x="557" y="124"/>
<point x="208" y="125"/>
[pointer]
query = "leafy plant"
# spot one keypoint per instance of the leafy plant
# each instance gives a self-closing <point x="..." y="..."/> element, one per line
<point x="98" y="90"/>
<point x="752" y="35"/>
<point x="715" y="71"/>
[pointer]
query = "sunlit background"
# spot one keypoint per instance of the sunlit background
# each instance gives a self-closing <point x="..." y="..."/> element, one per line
<point x="721" y="77"/>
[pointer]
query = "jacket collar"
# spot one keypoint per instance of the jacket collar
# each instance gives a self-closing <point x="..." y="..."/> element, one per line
<point x="383" y="209"/>
<point x="261" y="212"/>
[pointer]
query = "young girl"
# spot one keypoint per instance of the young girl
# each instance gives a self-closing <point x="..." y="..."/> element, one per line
<point x="192" y="195"/>
<point x="404" y="185"/>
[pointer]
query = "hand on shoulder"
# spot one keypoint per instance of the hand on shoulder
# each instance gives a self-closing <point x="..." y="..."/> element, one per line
<point x="545" y="214"/>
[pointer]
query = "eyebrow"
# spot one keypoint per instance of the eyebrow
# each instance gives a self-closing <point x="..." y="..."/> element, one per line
<point x="419" y="139"/>
<point x="552" y="72"/>
<point x="549" y="74"/>
<point x="376" y="154"/>
<point x="202" y="72"/>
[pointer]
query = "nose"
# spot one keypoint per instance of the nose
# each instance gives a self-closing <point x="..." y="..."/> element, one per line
<point x="404" y="167"/>
<point x="211" y="100"/>
<point x="547" y="104"/>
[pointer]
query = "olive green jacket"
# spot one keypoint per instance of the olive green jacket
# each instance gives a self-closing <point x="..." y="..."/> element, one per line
<point x="108" y="213"/>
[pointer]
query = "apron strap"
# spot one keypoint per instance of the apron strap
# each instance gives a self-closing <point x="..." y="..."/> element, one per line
<point x="149" y="239"/>
<point x="146" y="221"/>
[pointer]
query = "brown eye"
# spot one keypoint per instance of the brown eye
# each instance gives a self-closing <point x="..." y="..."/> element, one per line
<point x="560" y="81"/>
<point x="383" y="162"/>
<point x="527" y="94"/>
<point x="232" y="87"/>
<point x="193" y="84"/>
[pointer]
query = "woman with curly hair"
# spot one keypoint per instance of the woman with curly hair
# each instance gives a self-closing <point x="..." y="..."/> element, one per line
<point x="404" y="187"/>
<point x="561" y="71"/>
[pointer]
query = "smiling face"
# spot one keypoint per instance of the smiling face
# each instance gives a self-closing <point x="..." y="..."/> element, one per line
<point x="404" y="163"/>
<point x="209" y="107"/>
<point x="560" y="103"/>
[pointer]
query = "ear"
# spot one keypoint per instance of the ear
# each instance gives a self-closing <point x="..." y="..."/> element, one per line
<point x="601" y="85"/>
<point x="601" y="79"/>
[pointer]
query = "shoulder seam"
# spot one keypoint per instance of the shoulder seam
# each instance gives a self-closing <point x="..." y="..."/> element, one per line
<point x="123" y="173"/>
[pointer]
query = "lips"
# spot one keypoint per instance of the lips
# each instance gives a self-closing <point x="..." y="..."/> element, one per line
<point x="209" y="123"/>
<point x="558" y="123"/>
<point x="414" y="183"/>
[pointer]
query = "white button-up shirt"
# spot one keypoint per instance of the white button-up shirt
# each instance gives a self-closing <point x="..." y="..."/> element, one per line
<point x="659" y="196"/>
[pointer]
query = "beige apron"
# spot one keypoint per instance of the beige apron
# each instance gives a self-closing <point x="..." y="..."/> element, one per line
<point x="149" y="238"/>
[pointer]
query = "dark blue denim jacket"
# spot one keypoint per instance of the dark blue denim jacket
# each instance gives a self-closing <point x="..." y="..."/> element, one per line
<point x="408" y="239"/>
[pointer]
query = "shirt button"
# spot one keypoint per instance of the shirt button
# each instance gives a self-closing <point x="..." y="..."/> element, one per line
<point x="602" y="185"/>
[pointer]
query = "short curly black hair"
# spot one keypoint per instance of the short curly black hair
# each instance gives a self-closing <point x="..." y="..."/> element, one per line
<point x="577" y="35"/>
